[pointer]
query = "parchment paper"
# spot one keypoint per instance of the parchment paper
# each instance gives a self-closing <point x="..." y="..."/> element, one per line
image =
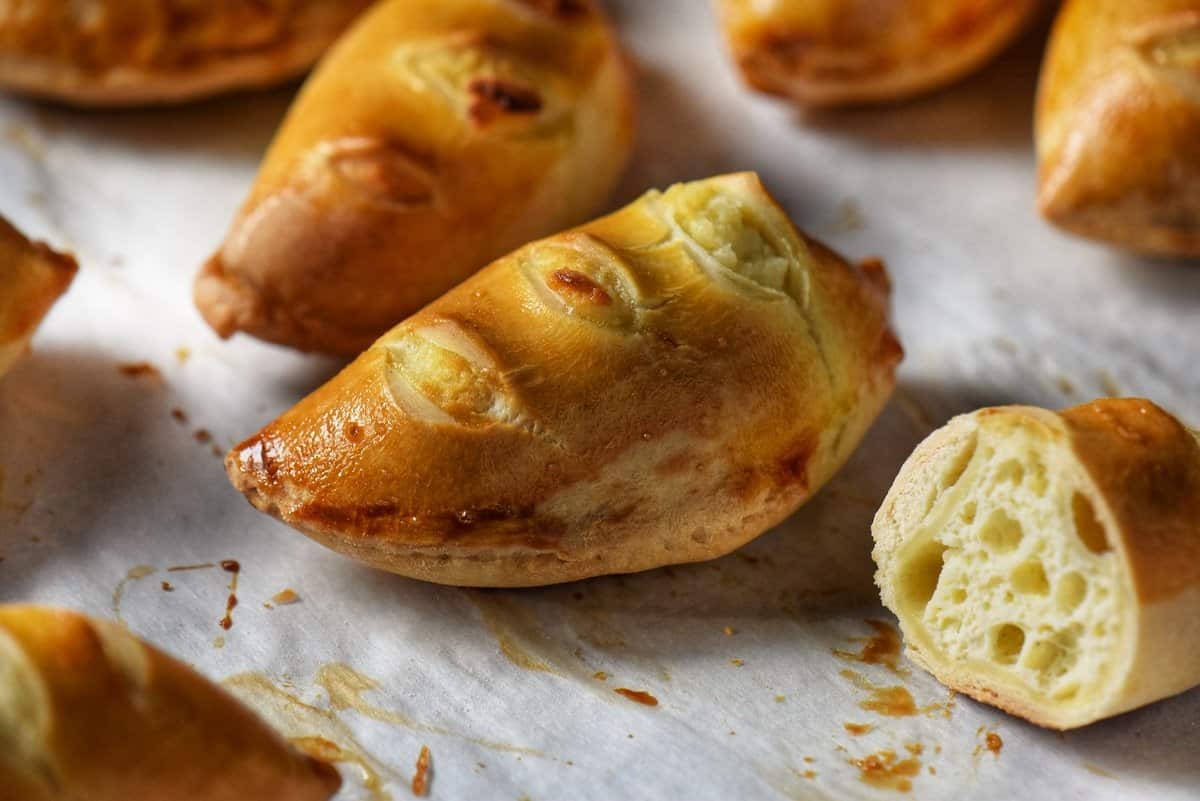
<point x="106" y="473"/>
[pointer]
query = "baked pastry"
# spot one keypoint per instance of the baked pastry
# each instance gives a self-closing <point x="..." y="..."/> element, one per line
<point x="439" y="135"/>
<point x="660" y="385"/>
<point x="88" y="712"/>
<point x="137" y="52"/>
<point x="844" y="52"/>
<point x="32" y="277"/>
<point x="1118" y="124"/>
<point x="1049" y="563"/>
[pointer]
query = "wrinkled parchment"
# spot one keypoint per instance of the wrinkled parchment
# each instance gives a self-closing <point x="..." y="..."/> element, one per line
<point x="109" y="479"/>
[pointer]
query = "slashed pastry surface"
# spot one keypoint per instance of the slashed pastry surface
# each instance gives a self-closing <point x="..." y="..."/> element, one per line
<point x="1118" y="124"/>
<point x="437" y="136"/>
<point x="32" y="277"/>
<point x="657" y="386"/>
<point x="845" y="52"/>
<point x="134" y="52"/>
<point x="88" y="712"/>
<point x="1049" y="563"/>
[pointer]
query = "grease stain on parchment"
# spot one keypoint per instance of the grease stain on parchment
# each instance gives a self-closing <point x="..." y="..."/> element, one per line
<point x="524" y="641"/>
<point x="321" y="732"/>
<point x="514" y="629"/>
<point x="26" y="138"/>
<point x="849" y="217"/>
<point x="1099" y="771"/>
<point x="1109" y="385"/>
<point x="135" y="573"/>
<point x="316" y="731"/>
<point x="880" y="648"/>
<point x="345" y="687"/>
<point x="894" y="701"/>
<point x="796" y="784"/>
<point x="328" y="751"/>
<point x="886" y="771"/>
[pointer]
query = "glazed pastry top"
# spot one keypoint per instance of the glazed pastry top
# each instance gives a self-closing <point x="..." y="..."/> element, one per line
<point x="99" y="35"/>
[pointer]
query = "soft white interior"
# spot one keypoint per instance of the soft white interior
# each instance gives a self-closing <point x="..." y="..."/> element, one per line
<point x="1012" y="572"/>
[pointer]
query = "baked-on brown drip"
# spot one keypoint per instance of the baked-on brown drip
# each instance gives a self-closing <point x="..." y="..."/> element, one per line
<point x="90" y="713"/>
<point x="1118" y="124"/>
<point x="137" y="52"/>
<point x="607" y="400"/>
<point x="845" y="52"/>
<point x="438" y="135"/>
<point x="32" y="277"/>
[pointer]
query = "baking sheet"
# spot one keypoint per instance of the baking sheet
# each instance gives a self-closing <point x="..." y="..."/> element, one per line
<point x="110" y="478"/>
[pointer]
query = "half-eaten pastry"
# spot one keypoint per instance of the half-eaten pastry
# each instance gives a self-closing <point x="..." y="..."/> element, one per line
<point x="660" y="385"/>
<point x="141" y="52"/>
<point x="1118" y="124"/>
<point x="32" y="277"/>
<point x="1049" y="563"/>
<point x="437" y="136"/>
<point x="88" y="712"/>
<point x="846" y="52"/>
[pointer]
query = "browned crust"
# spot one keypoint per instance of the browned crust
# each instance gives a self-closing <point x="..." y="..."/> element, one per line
<point x="32" y="277"/>
<point x="1118" y="125"/>
<point x="494" y="98"/>
<point x="59" y="73"/>
<point x="228" y="305"/>
<point x="855" y="57"/>
<point x="136" y="723"/>
<point x="518" y="551"/>
<point x="1146" y="464"/>
<point x="704" y="452"/>
<point x="561" y="10"/>
<point x="361" y="216"/>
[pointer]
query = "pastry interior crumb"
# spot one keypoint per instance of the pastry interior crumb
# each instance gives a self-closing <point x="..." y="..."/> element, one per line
<point x="1012" y="573"/>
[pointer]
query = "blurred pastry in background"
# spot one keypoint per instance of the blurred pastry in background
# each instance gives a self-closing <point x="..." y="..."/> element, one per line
<point x="88" y="712"/>
<point x="32" y="277"/>
<point x="437" y="136"/>
<point x="1118" y="124"/>
<point x="848" y="52"/>
<point x="1048" y="563"/>
<point x="141" y="52"/>
<point x="658" y="386"/>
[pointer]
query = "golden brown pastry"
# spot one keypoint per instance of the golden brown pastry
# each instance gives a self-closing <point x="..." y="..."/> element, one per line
<point x="844" y="52"/>
<point x="1049" y="563"/>
<point x="1118" y="124"/>
<point x="137" y="52"/>
<point x="658" y="386"/>
<point x="32" y="277"/>
<point x="88" y="712"/>
<point x="439" y="135"/>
